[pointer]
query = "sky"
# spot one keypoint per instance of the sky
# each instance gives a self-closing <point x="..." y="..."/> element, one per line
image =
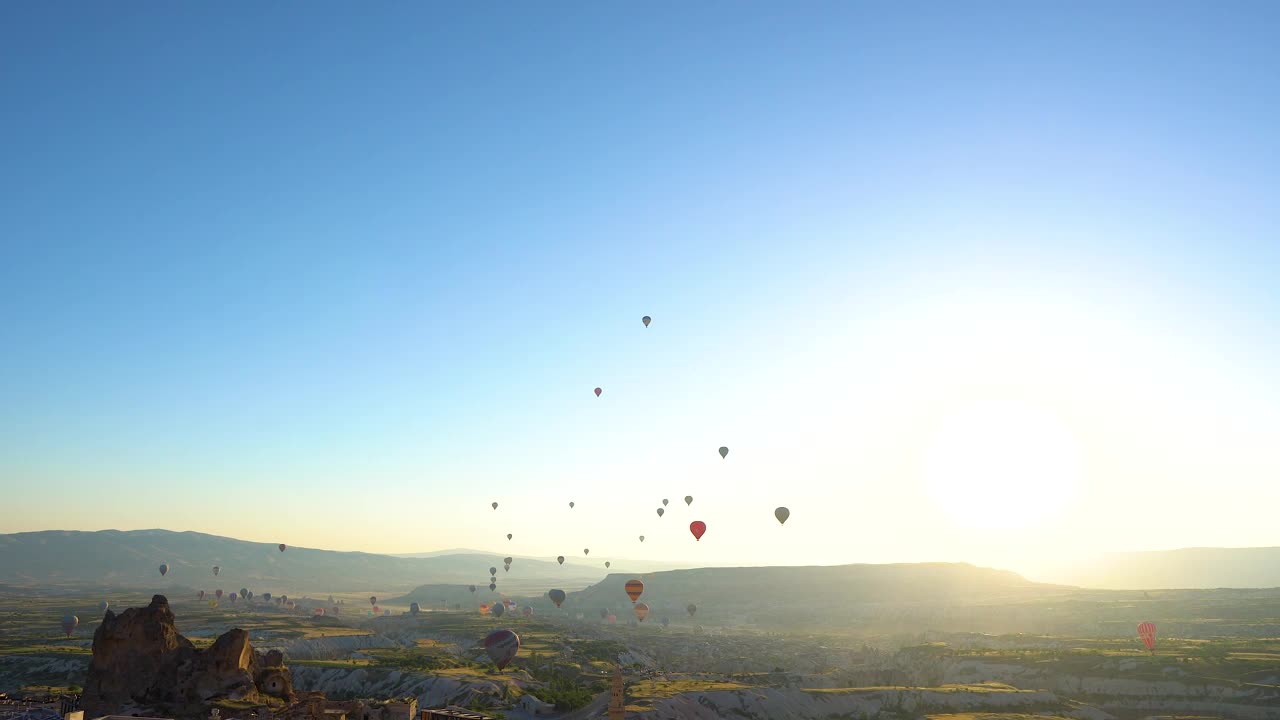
<point x="984" y="282"/>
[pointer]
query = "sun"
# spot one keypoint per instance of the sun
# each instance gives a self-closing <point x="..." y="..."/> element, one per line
<point x="1002" y="465"/>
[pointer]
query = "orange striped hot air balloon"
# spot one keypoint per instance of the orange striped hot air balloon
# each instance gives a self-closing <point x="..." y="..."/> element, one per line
<point x="634" y="589"/>
<point x="1147" y="632"/>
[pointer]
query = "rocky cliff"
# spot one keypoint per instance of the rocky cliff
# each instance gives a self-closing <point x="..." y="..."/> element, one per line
<point x="141" y="662"/>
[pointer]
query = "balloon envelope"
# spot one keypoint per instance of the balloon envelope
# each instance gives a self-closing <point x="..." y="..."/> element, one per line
<point x="641" y="538"/>
<point x="560" y="559"/>
<point x="586" y="551"/>
<point x="373" y="600"/>
<point x="698" y="528"/>
<point x="498" y="609"/>
<point x="570" y="504"/>
<point x="782" y="514"/>
<point x="218" y="593"/>
<point x="508" y="536"/>
<point x="502" y="646"/>
<point x="164" y="568"/>
<point x="493" y="586"/>
<point x="282" y="546"/>
<point x="414" y="608"/>
<point x="527" y="611"/>
<point x="692" y="609"/>
<point x="69" y="623"/>
<point x="493" y="571"/>
<point x="557" y="596"/>
<point x="494" y="506"/>
<point x="661" y="512"/>
<point x="1147" y="632"/>
<point x="642" y="611"/>
<point x="646" y="320"/>
<point x="216" y="570"/>
<point x="607" y="563"/>
<point x="634" y="589"/>
<point x="102" y="606"/>
<point x="664" y="502"/>
<point x="472" y="588"/>
<point x="598" y="391"/>
<point x="688" y="499"/>
<point x="724" y="452"/>
<point x="507" y="560"/>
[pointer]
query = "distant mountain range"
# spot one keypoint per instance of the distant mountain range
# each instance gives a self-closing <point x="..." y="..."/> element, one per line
<point x="131" y="559"/>
<point x="1186" y="568"/>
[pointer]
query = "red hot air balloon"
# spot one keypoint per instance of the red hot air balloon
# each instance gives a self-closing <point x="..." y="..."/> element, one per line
<point x="698" y="528"/>
<point x="502" y="646"/>
<point x="634" y="589"/>
<point x="1147" y="632"/>
<point x="598" y="391"/>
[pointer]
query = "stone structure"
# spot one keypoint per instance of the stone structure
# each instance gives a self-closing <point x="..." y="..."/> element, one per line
<point x="141" y="663"/>
<point x="617" y="696"/>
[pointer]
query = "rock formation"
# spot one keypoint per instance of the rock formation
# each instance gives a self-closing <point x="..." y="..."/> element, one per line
<point x="140" y="661"/>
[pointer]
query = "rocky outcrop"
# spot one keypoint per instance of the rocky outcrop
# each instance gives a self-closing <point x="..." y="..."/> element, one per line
<point x="141" y="661"/>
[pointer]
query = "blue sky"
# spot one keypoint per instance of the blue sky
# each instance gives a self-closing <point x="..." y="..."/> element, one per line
<point x="264" y="270"/>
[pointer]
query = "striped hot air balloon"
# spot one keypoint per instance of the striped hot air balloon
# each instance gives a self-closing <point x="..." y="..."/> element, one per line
<point x="502" y="646"/>
<point x="634" y="589"/>
<point x="1147" y="632"/>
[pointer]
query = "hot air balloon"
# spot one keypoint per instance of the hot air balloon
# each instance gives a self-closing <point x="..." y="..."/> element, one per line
<point x="506" y="567"/>
<point x="666" y="621"/>
<point x="493" y="571"/>
<point x="216" y="569"/>
<point x="698" y="528"/>
<point x="612" y="618"/>
<point x="724" y="452"/>
<point x="664" y="502"/>
<point x="493" y="586"/>
<point x="598" y="391"/>
<point x="570" y="504"/>
<point x="200" y="595"/>
<point x="502" y="646"/>
<point x="526" y="611"/>
<point x="642" y="611"/>
<point x="494" y="505"/>
<point x="414" y="608"/>
<point x="646" y="319"/>
<point x="266" y="596"/>
<point x="102" y="606"/>
<point x="233" y="597"/>
<point x="560" y="559"/>
<point x="641" y="538"/>
<point x="661" y="512"/>
<point x="688" y="499"/>
<point x="218" y="593"/>
<point x="692" y="609"/>
<point x="284" y="598"/>
<point x="586" y="551"/>
<point x="472" y="588"/>
<point x="498" y="609"/>
<point x="507" y="560"/>
<point x="508" y="536"/>
<point x="557" y="596"/>
<point x="1147" y="632"/>
<point x="377" y="610"/>
<point x="782" y="514"/>
<point x="69" y="623"/>
<point x="484" y="609"/>
<point x="373" y="600"/>
<point x="164" y="568"/>
<point x="282" y="546"/>
<point x="244" y="592"/>
<point x="634" y="588"/>
<point x="318" y="612"/>
<point x="607" y="563"/>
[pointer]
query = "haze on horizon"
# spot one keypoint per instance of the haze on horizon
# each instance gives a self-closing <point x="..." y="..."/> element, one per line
<point x="341" y="279"/>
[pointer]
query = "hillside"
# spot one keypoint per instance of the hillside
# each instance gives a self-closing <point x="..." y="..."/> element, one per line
<point x="129" y="559"/>
<point x="1185" y="568"/>
<point x="804" y="595"/>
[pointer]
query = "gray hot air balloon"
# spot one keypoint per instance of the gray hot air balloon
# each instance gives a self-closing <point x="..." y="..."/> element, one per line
<point x="570" y="504"/>
<point x="507" y="560"/>
<point x="692" y="609"/>
<point x="664" y="502"/>
<point x="493" y="571"/>
<point x="414" y="608"/>
<point x="641" y="538"/>
<point x="497" y="610"/>
<point x="244" y="593"/>
<point x="493" y="586"/>
<point x="782" y="514"/>
<point x="164" y="568"/>
<point x="586" y="551"/>
<point x="688" y="499"/>
<point x="724" y="452"/>
<point x="102" y="606"/>
<point x="494" y="505"/>
<point x="216" y="569"/>
<point x="661" y="512"/>
<point x="557" y="596"/>
<point x="472" y="588"/>
<point x="607" y="563"/>
<point x="560" y="559"/>
<point x="69" y="623"/>
<point x="506" y="567"/>
<point x="508" y="536"/>
<point x="646" y="320"/>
